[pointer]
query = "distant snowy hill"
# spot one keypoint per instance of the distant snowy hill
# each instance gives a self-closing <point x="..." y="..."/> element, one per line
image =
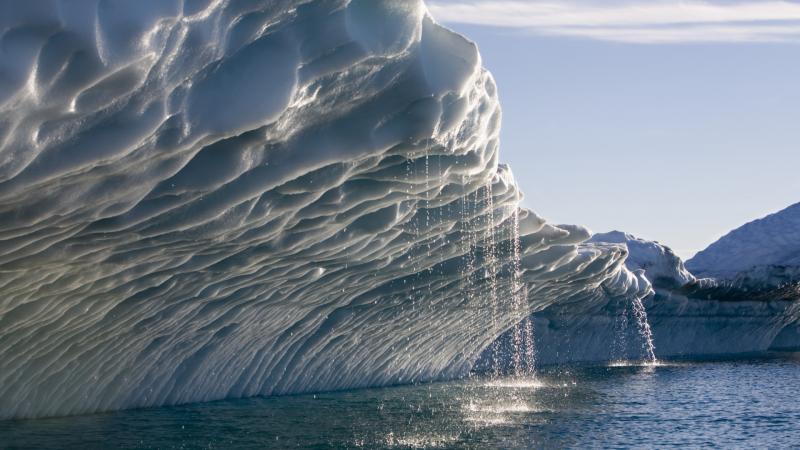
<point x="761" y="247"/>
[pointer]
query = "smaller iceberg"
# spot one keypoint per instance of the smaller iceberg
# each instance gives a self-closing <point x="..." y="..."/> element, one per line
<point x="739" y="296"/>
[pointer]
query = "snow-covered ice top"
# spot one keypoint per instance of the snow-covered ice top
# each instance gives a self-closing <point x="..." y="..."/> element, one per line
<point x="210" y="199"/>
<point x="660" y="264"/>
<point x="761" y="246"/>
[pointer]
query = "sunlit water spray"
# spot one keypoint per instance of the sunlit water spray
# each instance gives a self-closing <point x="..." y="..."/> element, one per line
<point x="524" y="353"/>
<point x="491" y="274"/>
<point x="640" y="313"/>
<point x="468" y="243"/>
<point x="427" y="198"/>
<point x="489" y="248"/>
<point x="620" y="350"/>
<point x="515" y="383"/>
<point x="515" y="359"/>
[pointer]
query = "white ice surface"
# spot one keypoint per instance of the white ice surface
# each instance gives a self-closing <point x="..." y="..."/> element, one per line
<point x="660" y="264"/>
<point x="209" y="199"/>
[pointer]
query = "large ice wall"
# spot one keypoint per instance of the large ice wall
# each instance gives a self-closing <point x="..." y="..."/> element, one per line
<point x="208" y="199"/>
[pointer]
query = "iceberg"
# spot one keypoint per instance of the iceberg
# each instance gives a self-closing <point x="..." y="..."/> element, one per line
<point x="751" y="305"/>
<point x="217" y="199"/>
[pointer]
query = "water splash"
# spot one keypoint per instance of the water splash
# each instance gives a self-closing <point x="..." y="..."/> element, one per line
<point x="468" y="242"/>
<point x="516" y="383"/>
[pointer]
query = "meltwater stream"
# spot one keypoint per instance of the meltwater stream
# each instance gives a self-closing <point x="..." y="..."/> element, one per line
<point x="744" y="403"/>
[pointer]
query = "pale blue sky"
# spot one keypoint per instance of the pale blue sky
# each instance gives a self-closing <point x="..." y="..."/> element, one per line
<point x="675" y="122"/>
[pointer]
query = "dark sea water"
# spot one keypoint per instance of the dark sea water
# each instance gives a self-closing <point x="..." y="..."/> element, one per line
<point x="753" y="403"/>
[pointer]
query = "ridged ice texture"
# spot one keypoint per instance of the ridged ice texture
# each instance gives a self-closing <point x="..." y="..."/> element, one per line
<point x="216" y="199"/>
<point x="661" y="266"/>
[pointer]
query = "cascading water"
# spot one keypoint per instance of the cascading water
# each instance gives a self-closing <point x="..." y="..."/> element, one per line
<point x="640" y="313"/>
<point x="468" y="244"/>
<point x="490" y="254"/>
<point x="619" y="352"/>
<point x="529" y="344"/>
<point x="524" y="350"/>
<point x="502" y="283"/>
<point x="427" y="199"/>
<point x="518" y="338"/>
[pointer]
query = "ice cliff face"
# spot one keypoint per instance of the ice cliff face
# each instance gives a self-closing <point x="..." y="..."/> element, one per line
<point x="216" y="199"/>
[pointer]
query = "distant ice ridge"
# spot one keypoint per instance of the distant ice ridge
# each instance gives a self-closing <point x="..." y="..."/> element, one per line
<point x="765" y="251"/>
<point x="756" y="309"/>
<point x="217" y="199"/>
<point x="761" y="258"/>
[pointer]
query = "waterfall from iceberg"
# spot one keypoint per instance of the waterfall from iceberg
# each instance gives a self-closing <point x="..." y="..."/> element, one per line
<point x="524" y="359"/>
<point x="203" y="200"/>
<point x="640" y="313"/>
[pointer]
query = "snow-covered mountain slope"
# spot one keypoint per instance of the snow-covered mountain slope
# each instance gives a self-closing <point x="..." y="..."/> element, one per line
<point x="755" y="250"/>
<point x="216" y="199"/>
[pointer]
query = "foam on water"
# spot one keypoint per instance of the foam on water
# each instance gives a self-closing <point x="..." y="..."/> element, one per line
<point x="515" y="383"/>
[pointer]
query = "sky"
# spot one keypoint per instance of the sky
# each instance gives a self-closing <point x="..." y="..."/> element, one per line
<point x="675" y="121"/>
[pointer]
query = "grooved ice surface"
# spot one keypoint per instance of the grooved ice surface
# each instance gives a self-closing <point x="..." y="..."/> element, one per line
<point x="660" y="264"/>
<point x="216" y="199"/>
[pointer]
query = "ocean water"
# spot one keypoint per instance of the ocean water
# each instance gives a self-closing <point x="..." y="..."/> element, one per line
<point x="748" y="403"/>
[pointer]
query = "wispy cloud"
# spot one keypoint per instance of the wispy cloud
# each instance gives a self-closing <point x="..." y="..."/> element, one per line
<point x="638" y="21"/>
